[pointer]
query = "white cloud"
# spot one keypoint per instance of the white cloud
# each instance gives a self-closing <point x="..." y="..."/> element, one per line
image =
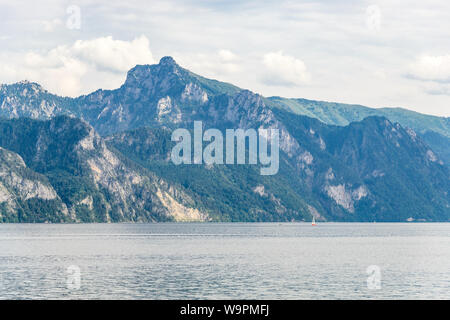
<point x="101" y="53"/>
<point x="342" y="43"/>
<point x="81" y="67"/>
<point x="113" y="55"/>
<point x="434" y="68"/>
<point x="56" y="70"/>
<point x="227" y="55"/>
<point x="51" y="25"/>
<point x="284" y="70"/>
<point x="437" y="88"/>
<point x="219" y="64"/>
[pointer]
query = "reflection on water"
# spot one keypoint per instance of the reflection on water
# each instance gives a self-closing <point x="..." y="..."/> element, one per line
<point x="224" y="261"/>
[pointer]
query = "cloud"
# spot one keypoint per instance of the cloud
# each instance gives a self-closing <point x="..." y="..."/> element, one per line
<point x="438" y="89"/>
<point x="81" y="67"/>
<point x="101" y="53"/>
<point x="56" y="70"/>
<point x="433" y="68"/>
<point x="284" y="70"/>
<point x="227" y="55"/>
<point x="113" y="55"/>
<point x="51" y="25"/>
<point x="218" y="64"/>
<point x="341" y="42"/>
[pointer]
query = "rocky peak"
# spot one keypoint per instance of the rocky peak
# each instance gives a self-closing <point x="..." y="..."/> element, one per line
<point x="138" y="73"/>
<point x="164" y="75"/>
<point x="24" y="87"/>
<point x="167" y="61"/>
<point x="166" y="64"/>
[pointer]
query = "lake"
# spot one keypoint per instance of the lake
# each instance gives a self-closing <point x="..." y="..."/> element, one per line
<point x="225" y="261"/>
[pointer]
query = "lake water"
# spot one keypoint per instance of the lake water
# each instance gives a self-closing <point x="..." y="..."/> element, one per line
<point x="225" y="261"/>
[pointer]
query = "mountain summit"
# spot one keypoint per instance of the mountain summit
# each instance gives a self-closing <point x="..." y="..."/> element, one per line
<point x="167" y="61"/>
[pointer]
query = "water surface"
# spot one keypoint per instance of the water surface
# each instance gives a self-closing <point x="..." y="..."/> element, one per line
<point x="225" y="261"/>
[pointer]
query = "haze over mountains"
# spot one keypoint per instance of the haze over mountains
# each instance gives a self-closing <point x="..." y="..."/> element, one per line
<point x="106" y="156"/>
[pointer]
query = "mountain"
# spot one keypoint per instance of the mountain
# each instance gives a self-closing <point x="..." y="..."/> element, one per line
<point x="433" y="130"/>
<point x="107" y="154"/>
<point x="166" y="94"/>
<point x="29" y="99"/>
<point x="227" y="192"/>
<point x="64" y="159"/>
<point x="26" y="195"/>
<point x="151" y="88"/>
<point x="373" y="168"/>
<point x="162" y="94"/>
<point x="369" y="170"/>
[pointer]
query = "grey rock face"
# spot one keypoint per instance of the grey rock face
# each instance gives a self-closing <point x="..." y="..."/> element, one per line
<point x="19" y="184"/>
<point x="69" y="150"/>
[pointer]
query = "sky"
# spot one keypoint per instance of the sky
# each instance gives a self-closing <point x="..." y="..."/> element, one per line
<point x="380" y="53"/>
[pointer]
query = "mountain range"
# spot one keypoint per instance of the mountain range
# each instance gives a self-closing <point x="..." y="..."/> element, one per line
<point x="105" y="156"/>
